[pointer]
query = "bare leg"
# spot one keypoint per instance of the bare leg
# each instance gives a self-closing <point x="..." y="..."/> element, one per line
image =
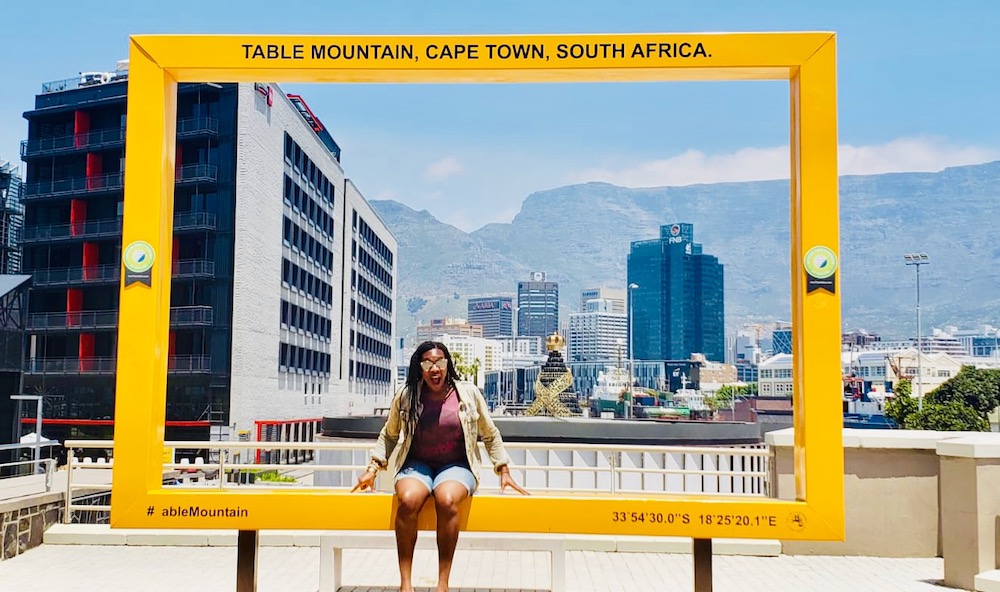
<point x="447" y="497"/>
<point x="411" y="494"/>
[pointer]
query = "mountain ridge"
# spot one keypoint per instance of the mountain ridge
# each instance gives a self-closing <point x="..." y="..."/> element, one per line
<point x="580" y="234"/>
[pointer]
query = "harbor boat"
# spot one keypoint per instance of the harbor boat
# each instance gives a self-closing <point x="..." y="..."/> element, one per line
<point x="612" y="384"/>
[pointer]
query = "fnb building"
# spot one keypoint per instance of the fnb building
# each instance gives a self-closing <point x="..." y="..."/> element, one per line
<point x="677" y="308"/>
<point x="284" y="278"/>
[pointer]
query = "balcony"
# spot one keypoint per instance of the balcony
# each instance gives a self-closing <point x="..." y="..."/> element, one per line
<point x="107" y="366"/>
<point x="98" y="229"/>
<point x="197" y="126"/>
<point x="110" y="274"/>
<point x="192" y="316"/>
<point x="68" y="276"/>
<point x="184" y="175"/>
<point x="196" y="173"/>
<point x="94" y="229"/>
<point x="75" y="185"/>
<point x="96" y="320"/>
<point x="90" y="141"/>
<point x="193" y="269"/>
<point x="192" y="127"/>
<point x="193" y="221"/>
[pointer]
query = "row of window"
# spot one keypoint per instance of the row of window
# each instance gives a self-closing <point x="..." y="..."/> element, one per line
<point x="371" y="372"/>
<point x="367" y="316"/>
<point x="775" y="372"/>
<point x="299" y="200"/>
<point x="307" y="320"/>
<point x="371" y="238"/>
<point x="305" y="282"/>
<point x="371" y="291"/>
<point x="371" y="264"/>
<point x="293" y="357"/>
<point x="781" y="388"/>
<point x="301" y="162"/>
<point x="307" y="245"/>
<point x="370" y="345"/>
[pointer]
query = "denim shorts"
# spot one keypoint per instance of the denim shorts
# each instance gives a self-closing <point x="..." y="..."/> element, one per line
<point x="431" y="478"/>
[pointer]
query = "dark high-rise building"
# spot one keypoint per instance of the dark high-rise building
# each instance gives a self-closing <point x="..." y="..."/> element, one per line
<point x="537" y="306"/>
<point x="283" y="278"/>
<point x="11" y="219"/>
<point x="677" y="308"/>
<point x="494" y="313"/>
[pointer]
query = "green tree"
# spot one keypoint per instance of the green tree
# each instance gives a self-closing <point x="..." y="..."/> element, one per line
<point x="474" y="370"/>
<point x="954" y="415"/>
<point x="945" y="409"/>
<point x="466" y="371"/>
<point x="724" y="396"/>
<point x="902" y="405"/>
<point x="978" y="388"/>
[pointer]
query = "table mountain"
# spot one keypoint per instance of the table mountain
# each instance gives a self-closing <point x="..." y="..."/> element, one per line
<point x="580" y="235"/>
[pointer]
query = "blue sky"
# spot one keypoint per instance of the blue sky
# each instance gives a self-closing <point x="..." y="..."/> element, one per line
<point x="915" y="92"/>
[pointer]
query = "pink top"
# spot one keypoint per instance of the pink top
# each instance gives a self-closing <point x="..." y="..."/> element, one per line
<point x="439" y="439"/>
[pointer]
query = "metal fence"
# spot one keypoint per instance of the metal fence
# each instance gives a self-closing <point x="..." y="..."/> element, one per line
<point x="20" y="476"/>
<point x="543" y="468"/>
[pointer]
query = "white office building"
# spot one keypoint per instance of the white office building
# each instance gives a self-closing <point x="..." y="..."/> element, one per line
<point x="597" y="334"/>
<point x="315" y="272"/>
<point x="615" y="296"/>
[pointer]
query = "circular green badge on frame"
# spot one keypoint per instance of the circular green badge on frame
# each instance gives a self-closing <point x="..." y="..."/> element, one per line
<point x="138" y="257"/>
<point x="821" y="262"/>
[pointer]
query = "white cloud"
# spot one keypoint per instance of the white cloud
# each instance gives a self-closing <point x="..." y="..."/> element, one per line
<point x="910" y="155"/>
<point x="443" y="169"/>
<point x="758" y="164"/>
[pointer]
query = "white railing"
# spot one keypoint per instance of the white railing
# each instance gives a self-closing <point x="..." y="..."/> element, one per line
<point x="19" y="478"/>
<point x="543" y="468"/>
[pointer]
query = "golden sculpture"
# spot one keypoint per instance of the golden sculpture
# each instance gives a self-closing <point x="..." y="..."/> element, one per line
<point x="554" y="395"/>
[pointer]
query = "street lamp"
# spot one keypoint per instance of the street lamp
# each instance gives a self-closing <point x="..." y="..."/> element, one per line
<point x="631" y="356"/>
<point x="916" y="260"/>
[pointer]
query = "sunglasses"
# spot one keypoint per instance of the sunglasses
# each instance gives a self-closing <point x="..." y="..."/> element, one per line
<point x="442" y="364"/>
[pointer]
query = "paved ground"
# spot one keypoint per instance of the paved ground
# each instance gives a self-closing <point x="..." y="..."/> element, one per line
<point x="84" y="568"/>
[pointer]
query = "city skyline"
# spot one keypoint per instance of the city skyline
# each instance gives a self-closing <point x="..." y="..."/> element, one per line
<point x="904" y="105"/>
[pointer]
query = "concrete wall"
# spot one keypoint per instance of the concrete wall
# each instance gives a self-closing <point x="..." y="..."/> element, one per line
<point x="892" y="493"/>
<point x="970" y="508"/>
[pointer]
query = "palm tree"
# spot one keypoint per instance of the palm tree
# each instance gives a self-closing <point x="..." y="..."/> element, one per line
<point x="474" y="369"/>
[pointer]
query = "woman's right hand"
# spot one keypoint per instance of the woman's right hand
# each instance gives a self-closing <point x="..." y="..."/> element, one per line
<point x="366" y="482"/>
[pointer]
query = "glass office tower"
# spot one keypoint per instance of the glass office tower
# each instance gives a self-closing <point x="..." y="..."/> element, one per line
<point x="677" y="308"/>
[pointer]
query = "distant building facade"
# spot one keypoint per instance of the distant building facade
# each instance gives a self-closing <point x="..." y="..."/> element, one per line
<point x="11" y="219"/>
<point x="495" y="314"/>
<point x="597" y="335"/>
<point x="450" y="326"/>
<point x="678" y="306"/>
<point x="615" y="296"/>
<point x="537" y="306"/>
<point x="283" y="276"/>
<point x="781" y="340"/>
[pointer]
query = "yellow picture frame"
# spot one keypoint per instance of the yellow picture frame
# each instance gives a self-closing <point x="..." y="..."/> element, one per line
<point x="807" y="60"/>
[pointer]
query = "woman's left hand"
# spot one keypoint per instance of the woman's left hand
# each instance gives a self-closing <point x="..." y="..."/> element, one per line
<point x="507" y="481"/>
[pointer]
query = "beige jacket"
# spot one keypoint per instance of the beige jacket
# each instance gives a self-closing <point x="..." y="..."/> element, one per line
<point x="474" y="416"/>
